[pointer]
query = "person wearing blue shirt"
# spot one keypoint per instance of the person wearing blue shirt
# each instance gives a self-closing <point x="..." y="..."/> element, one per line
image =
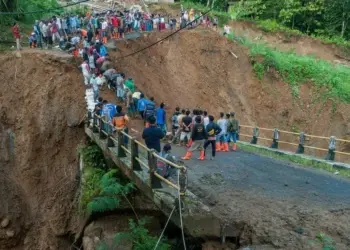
<point x="152" y="135"/>
<point x="103" y="50"/>
<point x="141" y="104"/>
<point x="161" y="117"/>
<point x="109" y="110"/>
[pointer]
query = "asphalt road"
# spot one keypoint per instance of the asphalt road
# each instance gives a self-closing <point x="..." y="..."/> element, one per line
<point x="268" y="177"/>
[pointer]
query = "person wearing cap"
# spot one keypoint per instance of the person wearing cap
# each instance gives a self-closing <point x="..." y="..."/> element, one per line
<point x="152" y="135"/>
<point x="130" y="84"/>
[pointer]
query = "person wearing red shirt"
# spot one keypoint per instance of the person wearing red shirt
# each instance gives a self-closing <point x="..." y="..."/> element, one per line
<point x="17" y="35"/>
<point x="114" y="22"/>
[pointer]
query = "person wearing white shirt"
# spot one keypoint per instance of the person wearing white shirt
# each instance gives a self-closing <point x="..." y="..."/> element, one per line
<point x="104" y="27"/>
<point x="221" y="138"/>
<point x="205" y="119"/>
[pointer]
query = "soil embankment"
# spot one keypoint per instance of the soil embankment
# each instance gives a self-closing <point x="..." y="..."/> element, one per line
<point x="196" y="69"/>
<point x="42" y="102"/>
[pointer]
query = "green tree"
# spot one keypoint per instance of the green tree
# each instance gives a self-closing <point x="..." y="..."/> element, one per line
<point x="291" y="9"/>
<point x="313" y="12"/>
<point x="337" y="16"/>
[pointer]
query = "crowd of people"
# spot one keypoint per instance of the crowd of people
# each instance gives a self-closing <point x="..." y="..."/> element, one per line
<point x="74" y="33"/>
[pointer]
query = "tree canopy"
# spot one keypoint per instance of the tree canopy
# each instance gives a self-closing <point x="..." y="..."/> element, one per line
<point x="320" y="17"/>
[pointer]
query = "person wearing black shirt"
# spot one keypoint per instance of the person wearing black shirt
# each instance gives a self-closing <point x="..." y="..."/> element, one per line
<point x="199" y="135"/>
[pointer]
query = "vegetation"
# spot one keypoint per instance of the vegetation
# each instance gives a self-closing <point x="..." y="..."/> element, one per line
<point x="140" y="236"/>
<point x="326" y="19"/>
<point x="107" y="194"/>
<point x="326" y="241"/>
<point x="22" y="6"/>
<point x="296" y="70"/>
<point x="101" y="189"/>
<point x="298" y="159"/>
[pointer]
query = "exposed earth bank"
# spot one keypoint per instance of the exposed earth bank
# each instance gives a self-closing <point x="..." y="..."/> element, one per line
<point x="197" y="69"/>
<point x="42" y="102"/>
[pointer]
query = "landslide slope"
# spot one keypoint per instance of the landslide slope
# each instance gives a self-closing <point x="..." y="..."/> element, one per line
<point x="197" y="69"/>
<point x="42" y="100"/>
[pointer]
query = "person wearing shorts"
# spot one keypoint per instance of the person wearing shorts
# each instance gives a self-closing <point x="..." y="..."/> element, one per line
<point x="198" y="136"/>
<point x="186" y="128"/>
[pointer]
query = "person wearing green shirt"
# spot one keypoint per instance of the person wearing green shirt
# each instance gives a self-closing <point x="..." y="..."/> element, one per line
<point x="130" y="85"/>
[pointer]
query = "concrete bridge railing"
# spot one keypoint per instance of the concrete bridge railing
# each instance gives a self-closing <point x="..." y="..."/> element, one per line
<point x="139" y="164"/>
<point x="300" y="141"/>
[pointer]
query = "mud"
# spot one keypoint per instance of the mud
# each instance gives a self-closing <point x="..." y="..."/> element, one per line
<point x="42" y="102"/>
<point x="196" y="69"/>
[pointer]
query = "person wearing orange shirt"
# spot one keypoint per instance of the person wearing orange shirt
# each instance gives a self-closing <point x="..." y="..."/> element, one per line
<point x="120" y="122"/>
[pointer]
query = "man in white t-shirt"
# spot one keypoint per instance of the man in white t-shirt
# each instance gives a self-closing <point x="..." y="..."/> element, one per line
<point x="221" y="138"/>
<point x="205" y="119"/>
<point x="104" y="27"/>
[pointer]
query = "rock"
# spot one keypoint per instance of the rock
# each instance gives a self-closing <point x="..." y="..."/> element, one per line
<point x="88" y="243"/>
<point x="5" y="222"/>
<point x="10" y="233"/>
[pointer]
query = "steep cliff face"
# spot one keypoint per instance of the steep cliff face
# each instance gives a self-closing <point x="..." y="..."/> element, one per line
<point x="42" y="101"/>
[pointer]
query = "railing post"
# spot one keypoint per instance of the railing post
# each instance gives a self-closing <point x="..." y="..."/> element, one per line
<point x="94" y="123"/>
<point x="255" y="136"/>
<point x="331" y="148"/>
<point x="300" y="149"/>
<point x="101" y="123"/>
<point x="182" y="180"/>
<point x="135" y="165"/>
<point x="275" y="138"/>
<point x="110" y="142"/>
<point x="152" y="163"/>
<point x="89" y="116"/>
<point x="121" y="152"/>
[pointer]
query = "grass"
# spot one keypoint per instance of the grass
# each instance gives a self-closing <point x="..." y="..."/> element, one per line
<point x="298" y="159"/>
<point x="296" y="70"/>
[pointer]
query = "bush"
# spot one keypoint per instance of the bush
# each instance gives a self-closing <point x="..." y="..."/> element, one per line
<point x="108" y="192"/>
<point x="140" y="236"/>
<point x="270" y="25"/>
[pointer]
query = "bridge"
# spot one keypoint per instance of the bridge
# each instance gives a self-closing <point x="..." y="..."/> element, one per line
<point x="219" y="198"/>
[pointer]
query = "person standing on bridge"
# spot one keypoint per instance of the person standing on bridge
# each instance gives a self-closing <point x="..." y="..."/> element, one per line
<point x="152" y="135"/>
<point x="199" y="135"/>
<point x="120" y="122"/>
<point x="232" y="130"/>
<point x="212" y="130"/>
